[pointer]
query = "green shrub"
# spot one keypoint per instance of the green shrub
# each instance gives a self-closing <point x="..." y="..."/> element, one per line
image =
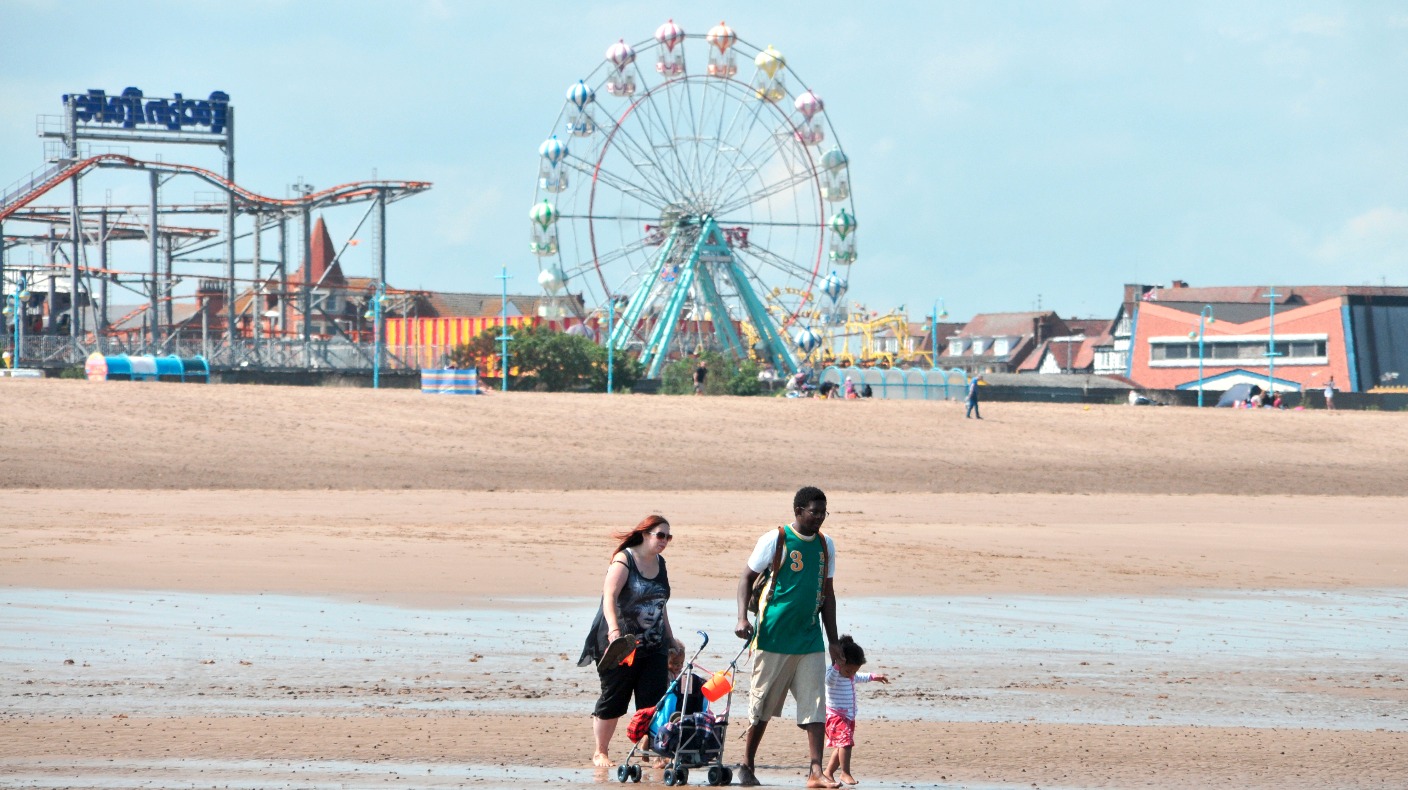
<point x="727" y="376"/>
<point x="549" y="361"/>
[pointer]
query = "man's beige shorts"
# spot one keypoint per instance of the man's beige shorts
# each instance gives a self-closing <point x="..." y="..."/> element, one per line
<point x="775" y="674"/>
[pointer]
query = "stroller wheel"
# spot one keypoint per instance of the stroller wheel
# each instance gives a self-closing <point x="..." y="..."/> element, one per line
<point x="635" y="773"/>
<point x="716" y="775"/>
<point x="728" y="776"/>
<point x="669" y="777"/>
<point x="622" y="772"/>
<point x="682" y="776"/>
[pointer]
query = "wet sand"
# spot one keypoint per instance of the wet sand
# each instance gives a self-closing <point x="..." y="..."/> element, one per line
<point x="282" y="587"/>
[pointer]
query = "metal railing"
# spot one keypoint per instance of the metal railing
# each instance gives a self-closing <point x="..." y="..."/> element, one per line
<point x="50" y="351"/>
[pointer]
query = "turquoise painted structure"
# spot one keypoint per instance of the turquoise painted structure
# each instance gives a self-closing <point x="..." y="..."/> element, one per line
<point x="121" y="367"/>
<point x="696" y="253"/>
<point x="902" y="383"/>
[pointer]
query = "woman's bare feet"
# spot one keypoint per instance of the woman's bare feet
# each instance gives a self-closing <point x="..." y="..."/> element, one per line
<point x="601" y="761"/>
<point x="820" y="780"/>
<point x="746" y="777"/>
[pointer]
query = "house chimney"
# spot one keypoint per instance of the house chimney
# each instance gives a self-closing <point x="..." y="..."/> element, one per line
<point x="1179" y="284"/>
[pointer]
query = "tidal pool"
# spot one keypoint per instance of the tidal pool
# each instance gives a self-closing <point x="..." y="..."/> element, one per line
<point x="1255" y="659"/>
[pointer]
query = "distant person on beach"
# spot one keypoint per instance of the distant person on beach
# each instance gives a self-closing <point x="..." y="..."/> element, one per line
<point x="1330" y="394"/>
<point x="630" y="638"/>
<point x="973" y="397"/>
<point x="841" y="680"/>
<point x="797" y="601"/>
<point x="700" y="374"/>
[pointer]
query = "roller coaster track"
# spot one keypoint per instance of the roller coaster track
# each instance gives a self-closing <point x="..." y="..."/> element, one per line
<point x="32" y="189"/>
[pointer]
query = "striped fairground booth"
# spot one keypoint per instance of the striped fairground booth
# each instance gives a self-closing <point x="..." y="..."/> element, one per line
<point x="449" y="381"/>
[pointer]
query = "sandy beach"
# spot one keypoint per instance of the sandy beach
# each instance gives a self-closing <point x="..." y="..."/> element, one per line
<point x="316" y="587"/>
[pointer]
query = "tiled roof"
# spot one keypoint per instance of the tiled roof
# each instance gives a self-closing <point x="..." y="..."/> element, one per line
<point x="926" y="332"/>
<point x="1087" y="326"/>
<point x="440" y="304"/>
<point x="1069" y="354"/>
<point x="1000" y="324"/>
<point x="1195" y="298"/>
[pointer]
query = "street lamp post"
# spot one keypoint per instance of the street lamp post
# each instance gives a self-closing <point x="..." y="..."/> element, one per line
<point x="15" y="312"/>
<point x="610" y="354"/>
<point x="1271" y="353"/>
<point x="1204" y="318"/>
<point x="504" y="336"/>
<point x="939" y="312"/>
<point x="373" y="314"/>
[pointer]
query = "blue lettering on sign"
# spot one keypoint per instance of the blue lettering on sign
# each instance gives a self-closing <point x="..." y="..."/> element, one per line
<point x="130" y="109"/>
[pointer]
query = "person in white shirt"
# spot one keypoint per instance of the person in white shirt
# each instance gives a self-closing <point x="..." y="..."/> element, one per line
<point x="841" y="680"/>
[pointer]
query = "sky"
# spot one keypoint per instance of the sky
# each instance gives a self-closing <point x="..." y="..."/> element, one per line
<point x="1004" y="155"/>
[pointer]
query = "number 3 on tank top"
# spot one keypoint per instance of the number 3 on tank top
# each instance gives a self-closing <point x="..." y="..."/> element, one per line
<point x="796" y="557"/>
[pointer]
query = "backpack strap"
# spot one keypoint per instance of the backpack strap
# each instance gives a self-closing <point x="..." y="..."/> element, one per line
<point x="778" y="550"/>
<point x="776" y="562"/>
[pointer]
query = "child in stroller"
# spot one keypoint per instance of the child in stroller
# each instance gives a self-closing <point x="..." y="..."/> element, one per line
<point x="681" y="730"/>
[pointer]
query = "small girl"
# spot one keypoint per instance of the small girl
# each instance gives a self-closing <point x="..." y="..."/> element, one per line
<point x="841" y="682"/>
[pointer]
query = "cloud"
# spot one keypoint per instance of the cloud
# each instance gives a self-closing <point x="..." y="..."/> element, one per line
<point x="1374" y="242"/>
<point x="1318" y="25"/>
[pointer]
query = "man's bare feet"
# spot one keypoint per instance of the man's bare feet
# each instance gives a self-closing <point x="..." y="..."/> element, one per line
<point x="601" y="761"/>
<point x="847" y="779"/>
<point x="746" y="777"/>
<point x="820" y="780"/>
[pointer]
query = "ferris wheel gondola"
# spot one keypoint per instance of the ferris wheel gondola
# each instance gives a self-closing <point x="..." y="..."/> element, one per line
<point x="698" y="204"/>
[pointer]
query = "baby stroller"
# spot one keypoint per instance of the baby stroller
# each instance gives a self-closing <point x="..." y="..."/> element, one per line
<point x="681" y="728"/>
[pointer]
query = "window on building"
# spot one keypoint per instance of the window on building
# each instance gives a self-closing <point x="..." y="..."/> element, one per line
<point x="1001" y="346"/>
<point x="1305" y="348"/>
<point x="1165" y="351"/>
<point x="980" y="345"/>
<point x="1243" y="350"/>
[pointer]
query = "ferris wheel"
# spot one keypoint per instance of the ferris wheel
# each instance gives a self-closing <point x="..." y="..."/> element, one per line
<point x="690" y="202"/>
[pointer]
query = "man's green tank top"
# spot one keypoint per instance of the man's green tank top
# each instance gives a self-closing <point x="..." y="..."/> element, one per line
<point x="789" y="621"/>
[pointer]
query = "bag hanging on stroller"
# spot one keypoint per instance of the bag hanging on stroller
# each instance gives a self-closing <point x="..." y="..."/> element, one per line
<point x="681" y="728"/>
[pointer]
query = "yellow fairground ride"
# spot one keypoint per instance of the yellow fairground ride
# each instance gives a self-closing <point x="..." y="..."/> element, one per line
<point x="858" y="337"/>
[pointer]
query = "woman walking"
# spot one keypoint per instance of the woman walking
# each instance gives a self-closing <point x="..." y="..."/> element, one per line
<point x="633" y="600"/>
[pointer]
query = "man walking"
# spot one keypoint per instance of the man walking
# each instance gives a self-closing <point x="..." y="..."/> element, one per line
<point x="973" y="397"/>
<point x="788" y="652"/>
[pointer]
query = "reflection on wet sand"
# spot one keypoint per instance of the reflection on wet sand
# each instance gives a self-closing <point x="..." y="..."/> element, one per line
<point x="1266" y="659"/>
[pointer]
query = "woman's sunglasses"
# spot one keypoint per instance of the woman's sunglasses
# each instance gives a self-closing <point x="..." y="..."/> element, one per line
<point x="665" y="536"/>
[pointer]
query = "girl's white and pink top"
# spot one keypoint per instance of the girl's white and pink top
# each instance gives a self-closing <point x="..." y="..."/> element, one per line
<point x="841" y="691"/>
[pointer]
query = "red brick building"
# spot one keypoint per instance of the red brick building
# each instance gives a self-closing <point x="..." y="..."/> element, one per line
<point x="1356" y="334"/>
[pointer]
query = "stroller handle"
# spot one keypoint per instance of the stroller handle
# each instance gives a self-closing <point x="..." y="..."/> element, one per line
<point x="706" y="639"/>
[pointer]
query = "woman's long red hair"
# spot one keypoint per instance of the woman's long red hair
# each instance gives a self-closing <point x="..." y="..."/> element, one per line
<point x="635" y="537"/>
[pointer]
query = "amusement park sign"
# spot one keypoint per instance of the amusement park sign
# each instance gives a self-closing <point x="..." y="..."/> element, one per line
<point x="131" y="109"/>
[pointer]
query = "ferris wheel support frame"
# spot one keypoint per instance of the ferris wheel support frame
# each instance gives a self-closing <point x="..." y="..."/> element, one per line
<point x="709" y="249"/>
